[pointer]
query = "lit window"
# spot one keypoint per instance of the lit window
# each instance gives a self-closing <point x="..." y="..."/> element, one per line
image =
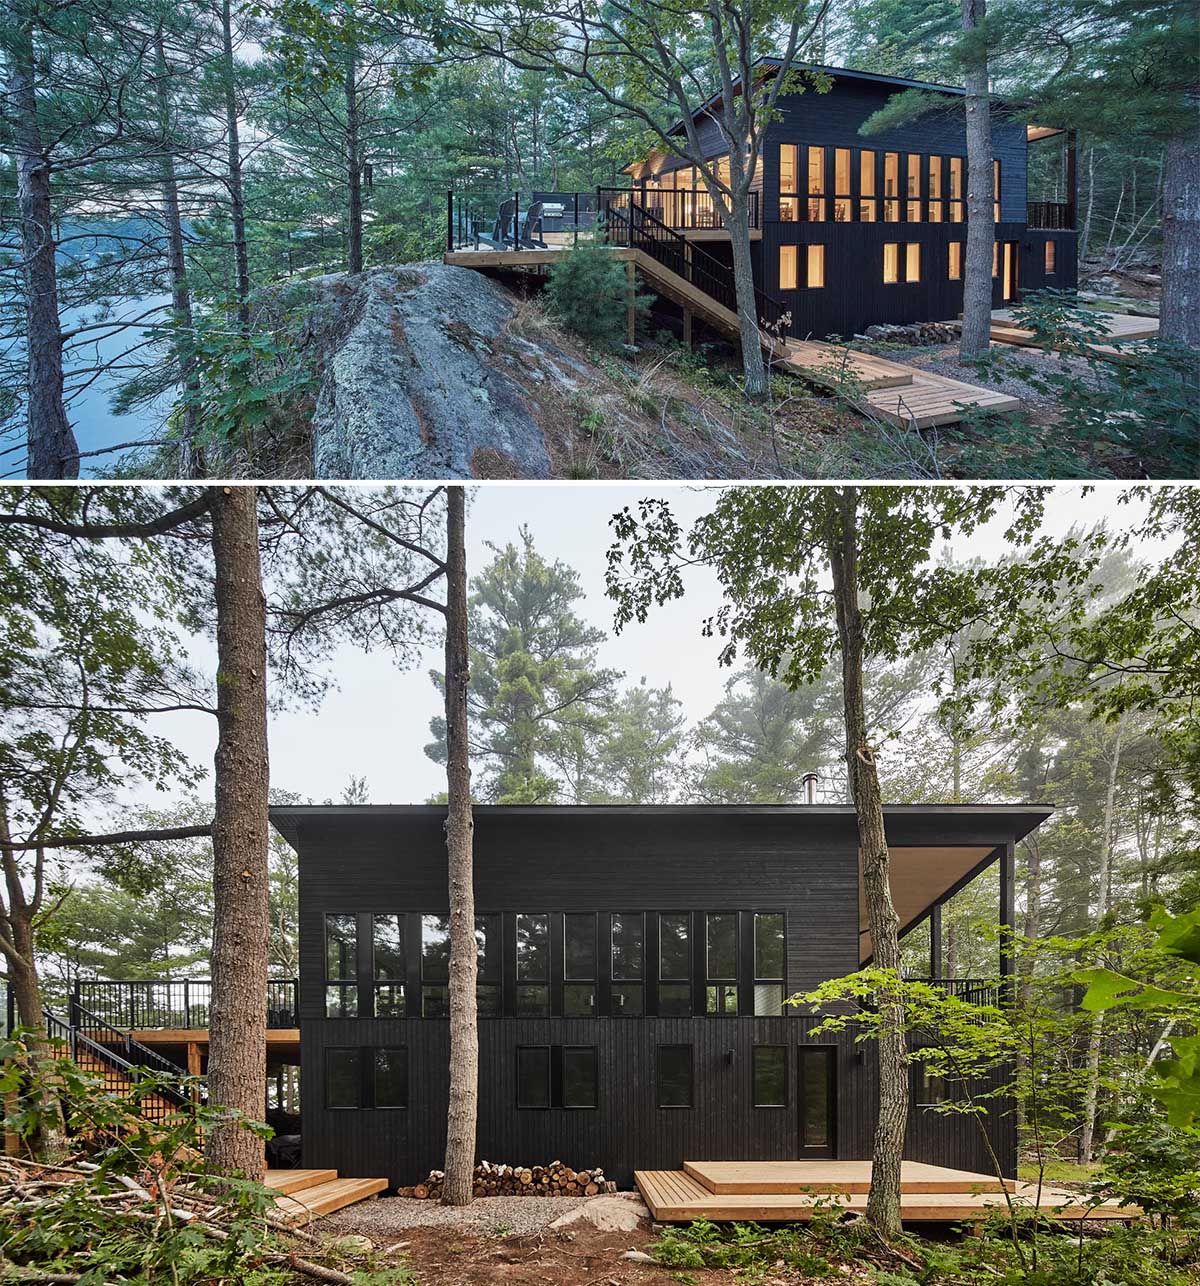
<point x="912" y="261"/>
<point x="995" y="258"/>
<point x="841" y="186"/>
<point x="996" y="190"/>
<point x="1050" y="257"/>
<point x="891" y="187"/>
<point x="956" y="249"/>
<point x="891" y="262"/>
<point x="787" y="268"/>
<point x="789" y="199"/>
<point x="935" y="178"/>
<point x="816" y="184"/>
<point x="957" y="207"/>
<point x="867" y="208"/>
<point x="816" y="266"/>
<point x="914" y="188"/>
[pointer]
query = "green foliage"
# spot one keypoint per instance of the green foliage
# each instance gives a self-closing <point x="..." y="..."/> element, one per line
<point x="1157" y="1168"/>
<point x="590" y="291"/>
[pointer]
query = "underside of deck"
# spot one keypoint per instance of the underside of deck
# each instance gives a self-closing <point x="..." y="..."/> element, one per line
<point x="792" y="1191"/>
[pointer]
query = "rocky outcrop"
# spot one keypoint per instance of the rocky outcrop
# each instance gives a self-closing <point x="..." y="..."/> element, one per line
<point x="421" y="377"/>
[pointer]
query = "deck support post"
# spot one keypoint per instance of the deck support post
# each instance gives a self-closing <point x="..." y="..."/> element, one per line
<point x="630" y="293"/>
<point x="193" y="1066"/>
<point x="935" y="941"/>
<point x="687" y="329"/>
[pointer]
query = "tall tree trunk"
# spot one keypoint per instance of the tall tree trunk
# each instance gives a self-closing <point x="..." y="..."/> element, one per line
<point x="237" y="1067"/>
<point x="981" y="225"/>
<point x="460" y="826"/>
<point x="237" y="205"/>
<point x="1092" y="1092"/>
<point x="1180" y="312"/>
<point x="883" y="1204"/>
<point x="53" y="450"/>
<point x="1086" y="232"/>
<point x="191" y="458"/>
<point x="754" y="370"/>
<point x="353" y="164"/>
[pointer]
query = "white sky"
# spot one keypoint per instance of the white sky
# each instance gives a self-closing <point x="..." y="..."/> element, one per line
<point x="376" y="723"/>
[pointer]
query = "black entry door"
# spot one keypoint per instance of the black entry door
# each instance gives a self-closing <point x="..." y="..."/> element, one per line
<point x="817" y="1097"/>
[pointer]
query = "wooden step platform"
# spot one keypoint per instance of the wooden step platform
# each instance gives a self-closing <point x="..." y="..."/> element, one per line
<point x="674" y="1196"/>
<point x="933" y="400"/>
<point x="305" y="1195"/>
<point x="822" y="364"/>
<point x="723" y="1177"/>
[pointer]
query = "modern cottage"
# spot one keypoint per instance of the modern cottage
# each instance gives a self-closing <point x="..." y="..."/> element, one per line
<point x="633" y="967"/>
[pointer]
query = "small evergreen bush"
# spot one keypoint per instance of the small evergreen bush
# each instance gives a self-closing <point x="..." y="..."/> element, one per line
<point x="590" y="292"/>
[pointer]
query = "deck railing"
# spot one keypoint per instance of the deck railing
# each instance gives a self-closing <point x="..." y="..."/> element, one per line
<point x="692" y="211"/>
<point x="1050" y="216"/>
<point x="975" y="991"/>
<point x="174" y="1003"/>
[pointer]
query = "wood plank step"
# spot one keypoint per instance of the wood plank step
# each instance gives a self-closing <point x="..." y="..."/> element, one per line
<point x="286" y="1181"/>
<point x="722" y="1177"/>
<point x="323" y="1199"/>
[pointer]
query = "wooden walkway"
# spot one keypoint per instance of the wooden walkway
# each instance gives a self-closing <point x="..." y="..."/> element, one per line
<point x="793" y="1191"/>
<point x="305" y="1195"/>
<point x="1122" y="328"/>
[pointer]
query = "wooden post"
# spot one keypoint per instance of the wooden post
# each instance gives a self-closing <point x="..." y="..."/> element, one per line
<point x="1007" y="917"/>
<point x="630" y="316"/>
<point x="450" y="219"/>
<point x="687" y="328"/>
<point x="193" y="1067"/>
<point x="935" y="942"/>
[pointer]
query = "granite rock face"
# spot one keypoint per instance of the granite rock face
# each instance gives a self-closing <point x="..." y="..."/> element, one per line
<point x="421" y="377"/>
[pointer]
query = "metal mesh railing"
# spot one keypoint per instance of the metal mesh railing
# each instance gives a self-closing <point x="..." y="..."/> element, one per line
<point x="174" y="1003"/>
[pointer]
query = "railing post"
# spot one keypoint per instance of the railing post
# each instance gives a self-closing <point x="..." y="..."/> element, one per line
<point x="449" y="218"/>
<point x="187" y="1003"/>
<point x="575" y="242"/>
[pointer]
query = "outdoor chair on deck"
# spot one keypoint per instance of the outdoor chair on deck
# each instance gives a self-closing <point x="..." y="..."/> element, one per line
<point x="504" y="227"/>
<point x="529" y="225"/>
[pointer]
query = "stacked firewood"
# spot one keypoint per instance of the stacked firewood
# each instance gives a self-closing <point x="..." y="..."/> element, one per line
<point x="493" y="1179"/>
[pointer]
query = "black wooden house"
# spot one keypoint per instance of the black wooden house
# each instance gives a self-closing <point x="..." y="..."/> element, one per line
<point x="633" y="964"/>
<point x="850" y="229"/>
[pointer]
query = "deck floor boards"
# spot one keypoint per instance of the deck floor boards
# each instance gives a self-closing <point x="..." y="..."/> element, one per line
<point x="723" y="1177"/>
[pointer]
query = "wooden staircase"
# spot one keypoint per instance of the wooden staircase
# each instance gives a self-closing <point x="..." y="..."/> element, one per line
<point x="305" y="1195"/>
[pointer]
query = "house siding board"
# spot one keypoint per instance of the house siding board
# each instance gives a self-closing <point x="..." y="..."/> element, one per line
<point x="805" y="867"/>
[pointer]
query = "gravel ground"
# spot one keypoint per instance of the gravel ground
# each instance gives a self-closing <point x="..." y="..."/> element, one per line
<point x="944" y="361"/>
<point x="512" y="1216"/>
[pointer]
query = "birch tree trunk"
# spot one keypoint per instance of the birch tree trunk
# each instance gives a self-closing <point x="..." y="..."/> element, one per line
<point x="237" y="1066"/>
<point x="464" y="1034"/>
<point x="981" y="226"/>
<point x="53" y="450"/>
<point x="1104" y="875"/>
<point x="1086" y="233"/>
<point x="237" y="204"/>
<point x="883" y="1204"/>
<point x="1180" y="310"/>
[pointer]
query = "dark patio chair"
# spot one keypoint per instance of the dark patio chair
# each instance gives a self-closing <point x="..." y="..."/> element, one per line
<point x="532" y="223"/>
<point x="504" y="228"/>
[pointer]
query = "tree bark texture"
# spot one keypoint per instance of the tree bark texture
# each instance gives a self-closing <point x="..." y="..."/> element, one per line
<point x="464" y="1033"/>
<point x="353" y="166"/>
<point x="237" y="1065"/>
<point x="237" y="204"/>
<point x="1180" y="315"/>
<point x="53" y="450"/>
<point x="981" y="225"/>
<point x="883" y="1204"/>
<point x="754" y="370"/>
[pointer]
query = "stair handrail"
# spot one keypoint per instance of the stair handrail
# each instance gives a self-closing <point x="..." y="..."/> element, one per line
<point x="136" y="1054"/>
<point x="76" y="1039"/>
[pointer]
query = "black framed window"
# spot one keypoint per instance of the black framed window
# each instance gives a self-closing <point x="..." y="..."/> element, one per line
<point x="842" y="205"/>
<point x="628" y="963"/>
<point x="343" y="1079"/>
<point x="816" y="184"/>
<point x="488" y="966"/>
<point x="955" y="261"/>
<point x="817" y="1099"/>
<point x="579" y="1077"/>
<point x="674" y="964"/>
<point x="868" y="207"/>
<point x="995" y="191"/>
<point x="913" y="187"/>
<point x="789" y="184"/>
<point x="341" y="966"/>
<point x="533" y="1076"/>
<point x="390" y="1077"/>
<point x="674" y="1076"/>
<point x="435" y="966"/>
<point x="388" y="971"/>
<point x="533" y="965"/>
<point x="720" y="992"/>
<point x="1049" y="258"/>
<point x="579" y="965"/>
<point x="957" y="205"/>
<point x="936" y="209"/>
<point x="768" y="963"/>
<point x="769" y="1075"/>
<point x="891" y="187"/>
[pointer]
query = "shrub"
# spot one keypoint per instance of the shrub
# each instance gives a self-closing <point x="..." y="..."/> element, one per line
<point x="589" y="290"/>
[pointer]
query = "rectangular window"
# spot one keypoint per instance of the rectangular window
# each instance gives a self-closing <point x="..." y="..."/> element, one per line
<point x="891" y="187"/>
<point x="956" y="251"/>
<point x="391" y="1077"/>
<point x="867" y="210"/>
<point x="891" y="262"/>
<point x="912" y="261"/>
<point x="789" y="190"/>
<point x="787" y="268"/>
<point x="996" y="191"/>
<point x="533" y="965"/>
<point x="1050" y="258"/>
<point x="675" y="1076"/>
<point x="957" y="208"/>
<point x="721" y="955"/>
<point x="533" y="1075"/>
<point x="487" y="965"/>
<point x="995" y="258"/>
<point x="674" y="965"/>
<point x="579" y="965"/>
<point x="768" y="964"/>
<point x="816" y="266"/>
<point x="913" y="189"/>
<point x="579" y="1087"/>
<point x="435" y="966"/>
<point x="816" y="1097"/>
<point x="841" y="185"/>
<point x="935" y="178"/>
<point x="627" y="964"/>
<point x="388" y="967"/>
<point x="343" y="1079"/>
<point x="816" y="184"/>
<point x="770" y="1076"/>
<point x="341" y="966"/>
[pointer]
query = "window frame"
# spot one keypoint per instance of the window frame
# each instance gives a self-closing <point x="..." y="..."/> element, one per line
<point x="691" y="1056"/>
<point x="787" y="1096"/>
<point x="757" y="979"/>
<point x="376" y="1106"/>
<point x="789" y="197"/>
<point x="569" y="979"/>
<point x="343" y="983"/>
<point x="520" y="984"/>
<point x="562" y="1051"/>
<point x="533" y="1107"/>
<point x="662" y="980"/>
<point x="400" y="983"/>
<point x="1050" y="257"/>
<point x="722" y="983"/>
<point x="954" y="252"/>
<point x="435" y="982"/>
<point x="357" y="1051"/>
<point x="816" y="198"/>
<point x="794" y="251"/>
<point x="817" y="249"/>
<point x="621" y="983"/>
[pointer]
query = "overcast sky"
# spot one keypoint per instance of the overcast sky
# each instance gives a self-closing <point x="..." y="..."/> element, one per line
<point x="377" y="722"/>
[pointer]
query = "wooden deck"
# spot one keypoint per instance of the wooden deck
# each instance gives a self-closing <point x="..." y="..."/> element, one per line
<point x="305" y="1195"/>
<point x="1122" y="328"/>
<point x="676" y="1196"/>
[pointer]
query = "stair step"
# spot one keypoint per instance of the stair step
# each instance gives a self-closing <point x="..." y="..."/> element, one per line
<point x="288" y="1181"/>
<point x="325" y="1198"/>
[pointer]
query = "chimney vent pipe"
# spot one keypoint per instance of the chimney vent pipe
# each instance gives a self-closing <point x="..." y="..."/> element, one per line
<point x="810" y="787"/>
